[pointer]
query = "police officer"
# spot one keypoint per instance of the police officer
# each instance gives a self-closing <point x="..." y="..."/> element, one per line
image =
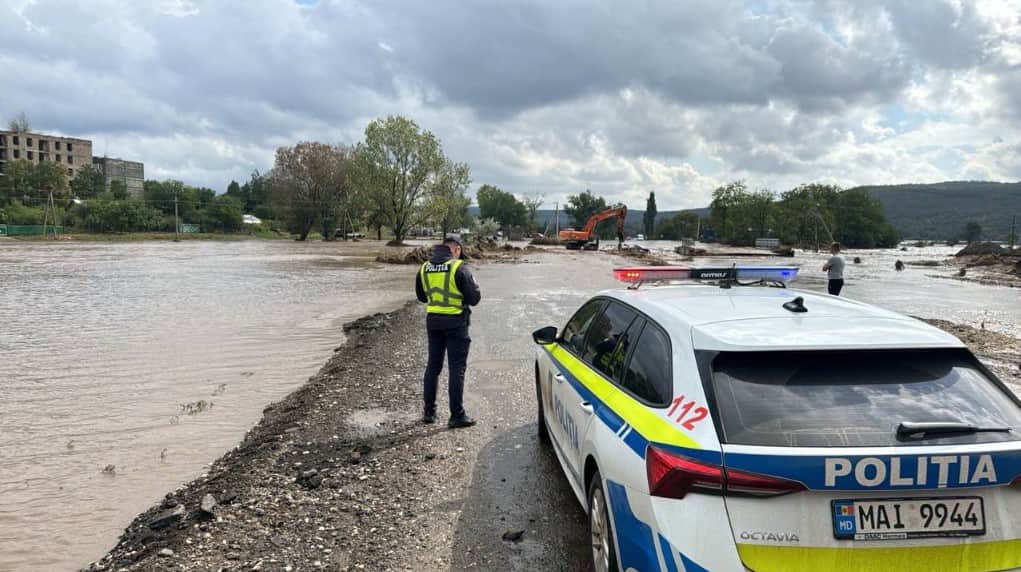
<point x="448" y="289"/>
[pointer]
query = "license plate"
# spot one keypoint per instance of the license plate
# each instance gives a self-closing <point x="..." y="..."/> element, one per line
<point x="897" y="519"/>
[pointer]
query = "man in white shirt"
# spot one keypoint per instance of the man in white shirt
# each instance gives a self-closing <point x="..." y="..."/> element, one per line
<point x="835" y="269"/>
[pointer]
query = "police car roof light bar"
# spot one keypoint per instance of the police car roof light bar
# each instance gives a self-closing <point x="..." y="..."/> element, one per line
<point x="637" y="275"/>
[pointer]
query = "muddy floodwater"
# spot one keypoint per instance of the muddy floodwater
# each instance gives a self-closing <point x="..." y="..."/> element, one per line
<point x="154" y="358"/>
<point x="151" y="359"/>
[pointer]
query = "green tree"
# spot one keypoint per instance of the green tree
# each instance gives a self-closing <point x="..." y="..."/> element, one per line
<point x="21" y="175"/>
<point x="448" y="201"/>
<point x="224" y="214"/>
<point x="234" y="190"/>
<point x="804" y="214"/>
<point x="682" y="225"/>
<point x="724" y="210"/>
<point x="485" y="228"/>
<point x="501" y="206"/>
<point x="119" y="190"/>
<point x="310" y="184"/>
<point x="582" y="206"/>
<point x="394" y="167"/>
<point x="972" y="232"/>
<point x="87" y="183"/>
<point x="860" y="222"/>
<point x="129" y="215"/>
<point x="649" y="219"/>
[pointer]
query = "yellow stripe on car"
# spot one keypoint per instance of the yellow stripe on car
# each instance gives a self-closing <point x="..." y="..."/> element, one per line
<point x="649" y="425"/>
<point x="971" y="557"/>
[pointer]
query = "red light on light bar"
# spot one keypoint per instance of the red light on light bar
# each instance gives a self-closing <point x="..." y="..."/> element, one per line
<point x="651" y="273"/>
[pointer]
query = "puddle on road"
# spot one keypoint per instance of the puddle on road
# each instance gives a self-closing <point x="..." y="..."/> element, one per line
<point x="377" y="420"/>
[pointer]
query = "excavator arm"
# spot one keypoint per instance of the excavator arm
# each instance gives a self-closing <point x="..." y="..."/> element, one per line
<point x="581" y="238"/>
<point x="619" y="212"/>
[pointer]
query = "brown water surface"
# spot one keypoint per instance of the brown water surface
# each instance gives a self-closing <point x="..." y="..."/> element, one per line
<point x="155" y="358"/>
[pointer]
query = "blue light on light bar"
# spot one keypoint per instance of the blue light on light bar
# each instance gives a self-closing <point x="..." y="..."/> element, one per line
<point x="638" y="274"/>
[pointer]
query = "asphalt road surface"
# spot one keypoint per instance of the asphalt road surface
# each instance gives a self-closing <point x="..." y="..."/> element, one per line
<point x="516" y="483"/>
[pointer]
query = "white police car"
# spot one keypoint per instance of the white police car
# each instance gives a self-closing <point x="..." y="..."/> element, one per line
<point x="720" y="428"/>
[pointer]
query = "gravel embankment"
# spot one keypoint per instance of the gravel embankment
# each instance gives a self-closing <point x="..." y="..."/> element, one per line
<point x="327" y="480"/>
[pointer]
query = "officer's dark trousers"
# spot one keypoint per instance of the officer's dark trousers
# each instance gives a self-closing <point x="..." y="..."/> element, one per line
<point x="454" y="342"/>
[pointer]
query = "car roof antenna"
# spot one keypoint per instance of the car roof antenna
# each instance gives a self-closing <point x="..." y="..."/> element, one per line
<point x="796" y="305"/>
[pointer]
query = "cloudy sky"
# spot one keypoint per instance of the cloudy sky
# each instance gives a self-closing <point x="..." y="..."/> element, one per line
<point x="538" y="96"/>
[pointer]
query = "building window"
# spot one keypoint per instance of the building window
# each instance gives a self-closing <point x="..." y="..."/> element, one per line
<point x="44" y="145"/>
<point x="17" y="153"/>
<point x="70" y="172"/>
<point x="70" y="160"/>
<point x="3" y="153"/>
<point x="3" y="140"/>
<point x="58" y="158"/>
<point x="69" y="149"/>
<point x="56" y="145"/>
<point x="30" y="155"/>
<point x="15" y="137"/>
<point x="29" y="139"/>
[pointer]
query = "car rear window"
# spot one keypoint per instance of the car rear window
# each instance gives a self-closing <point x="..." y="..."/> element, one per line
<point x="855" y="398"/>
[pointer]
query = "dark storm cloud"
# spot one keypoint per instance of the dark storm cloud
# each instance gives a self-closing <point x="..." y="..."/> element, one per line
<point x="565" y="94"/>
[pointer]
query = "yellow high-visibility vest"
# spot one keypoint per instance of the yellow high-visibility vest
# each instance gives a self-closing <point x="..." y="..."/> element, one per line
<point x="441" y="288"/>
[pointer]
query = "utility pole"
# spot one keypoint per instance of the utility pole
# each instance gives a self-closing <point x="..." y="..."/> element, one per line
<point x="556" y="216"/>
<point x="1013" y="235"/>
<point x="177" y="224"/>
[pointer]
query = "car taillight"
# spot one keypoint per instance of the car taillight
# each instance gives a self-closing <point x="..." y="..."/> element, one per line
<point x="673" y="476"/>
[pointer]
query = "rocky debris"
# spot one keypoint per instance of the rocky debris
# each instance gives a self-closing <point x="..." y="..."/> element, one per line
<point x="635" y="252"/>
<point x="481" y="251"/>
<point x="898" y="266"/>
<point x="167" y="517"/>
<point x="208" y="505"/>
<point x="1002" y="353"/>
<point x="976" y="248"/>
<point x="684" y="250"/>
<point x="110" y="470"/>
<point x="785" y="251"/>
<point x="545" y="241"/>
<point x="857" y="259"/>
<point x="513" y="535"/>
<point x="928" y="263"/>
<point x="166" y="552"/>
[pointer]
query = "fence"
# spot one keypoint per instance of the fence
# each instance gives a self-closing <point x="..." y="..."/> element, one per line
<point x="767" y="242"/>
<point x="28" y="229"/>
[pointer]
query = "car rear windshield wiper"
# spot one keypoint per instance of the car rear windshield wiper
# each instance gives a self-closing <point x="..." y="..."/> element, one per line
<point x="921" y="430"/>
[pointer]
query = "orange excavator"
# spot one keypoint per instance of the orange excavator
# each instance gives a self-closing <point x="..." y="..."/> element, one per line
<point x="587" y="238"/>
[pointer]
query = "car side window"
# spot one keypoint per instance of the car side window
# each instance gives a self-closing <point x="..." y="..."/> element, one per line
<point x="649" y="373"/>
<point x="577" y="327"/>
<point x="605" y="345"/>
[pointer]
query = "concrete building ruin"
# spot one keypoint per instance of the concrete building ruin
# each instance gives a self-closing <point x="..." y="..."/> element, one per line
<point x="69" y="152"/>
<point x="131" y="173"/>
<point x="72" y="154"/>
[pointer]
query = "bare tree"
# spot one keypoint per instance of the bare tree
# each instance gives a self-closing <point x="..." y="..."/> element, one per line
<point x="308" y="183"/>
<point x="532" y="204"/>
<point x="20" y="123"/>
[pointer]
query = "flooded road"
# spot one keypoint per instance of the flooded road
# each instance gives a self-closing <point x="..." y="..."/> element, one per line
<point x="154" y="358"/>
<point x="157" y="357"/>
<point x="924" y="291"/>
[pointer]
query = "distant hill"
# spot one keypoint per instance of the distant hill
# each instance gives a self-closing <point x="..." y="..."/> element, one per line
<point x="940" y="210"/>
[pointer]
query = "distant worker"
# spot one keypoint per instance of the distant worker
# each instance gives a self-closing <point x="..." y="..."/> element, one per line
<point x="449" y="288"/>
<point x="835" y="269"/>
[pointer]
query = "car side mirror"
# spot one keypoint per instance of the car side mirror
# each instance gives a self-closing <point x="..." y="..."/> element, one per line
<point x="545" y="336"/>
